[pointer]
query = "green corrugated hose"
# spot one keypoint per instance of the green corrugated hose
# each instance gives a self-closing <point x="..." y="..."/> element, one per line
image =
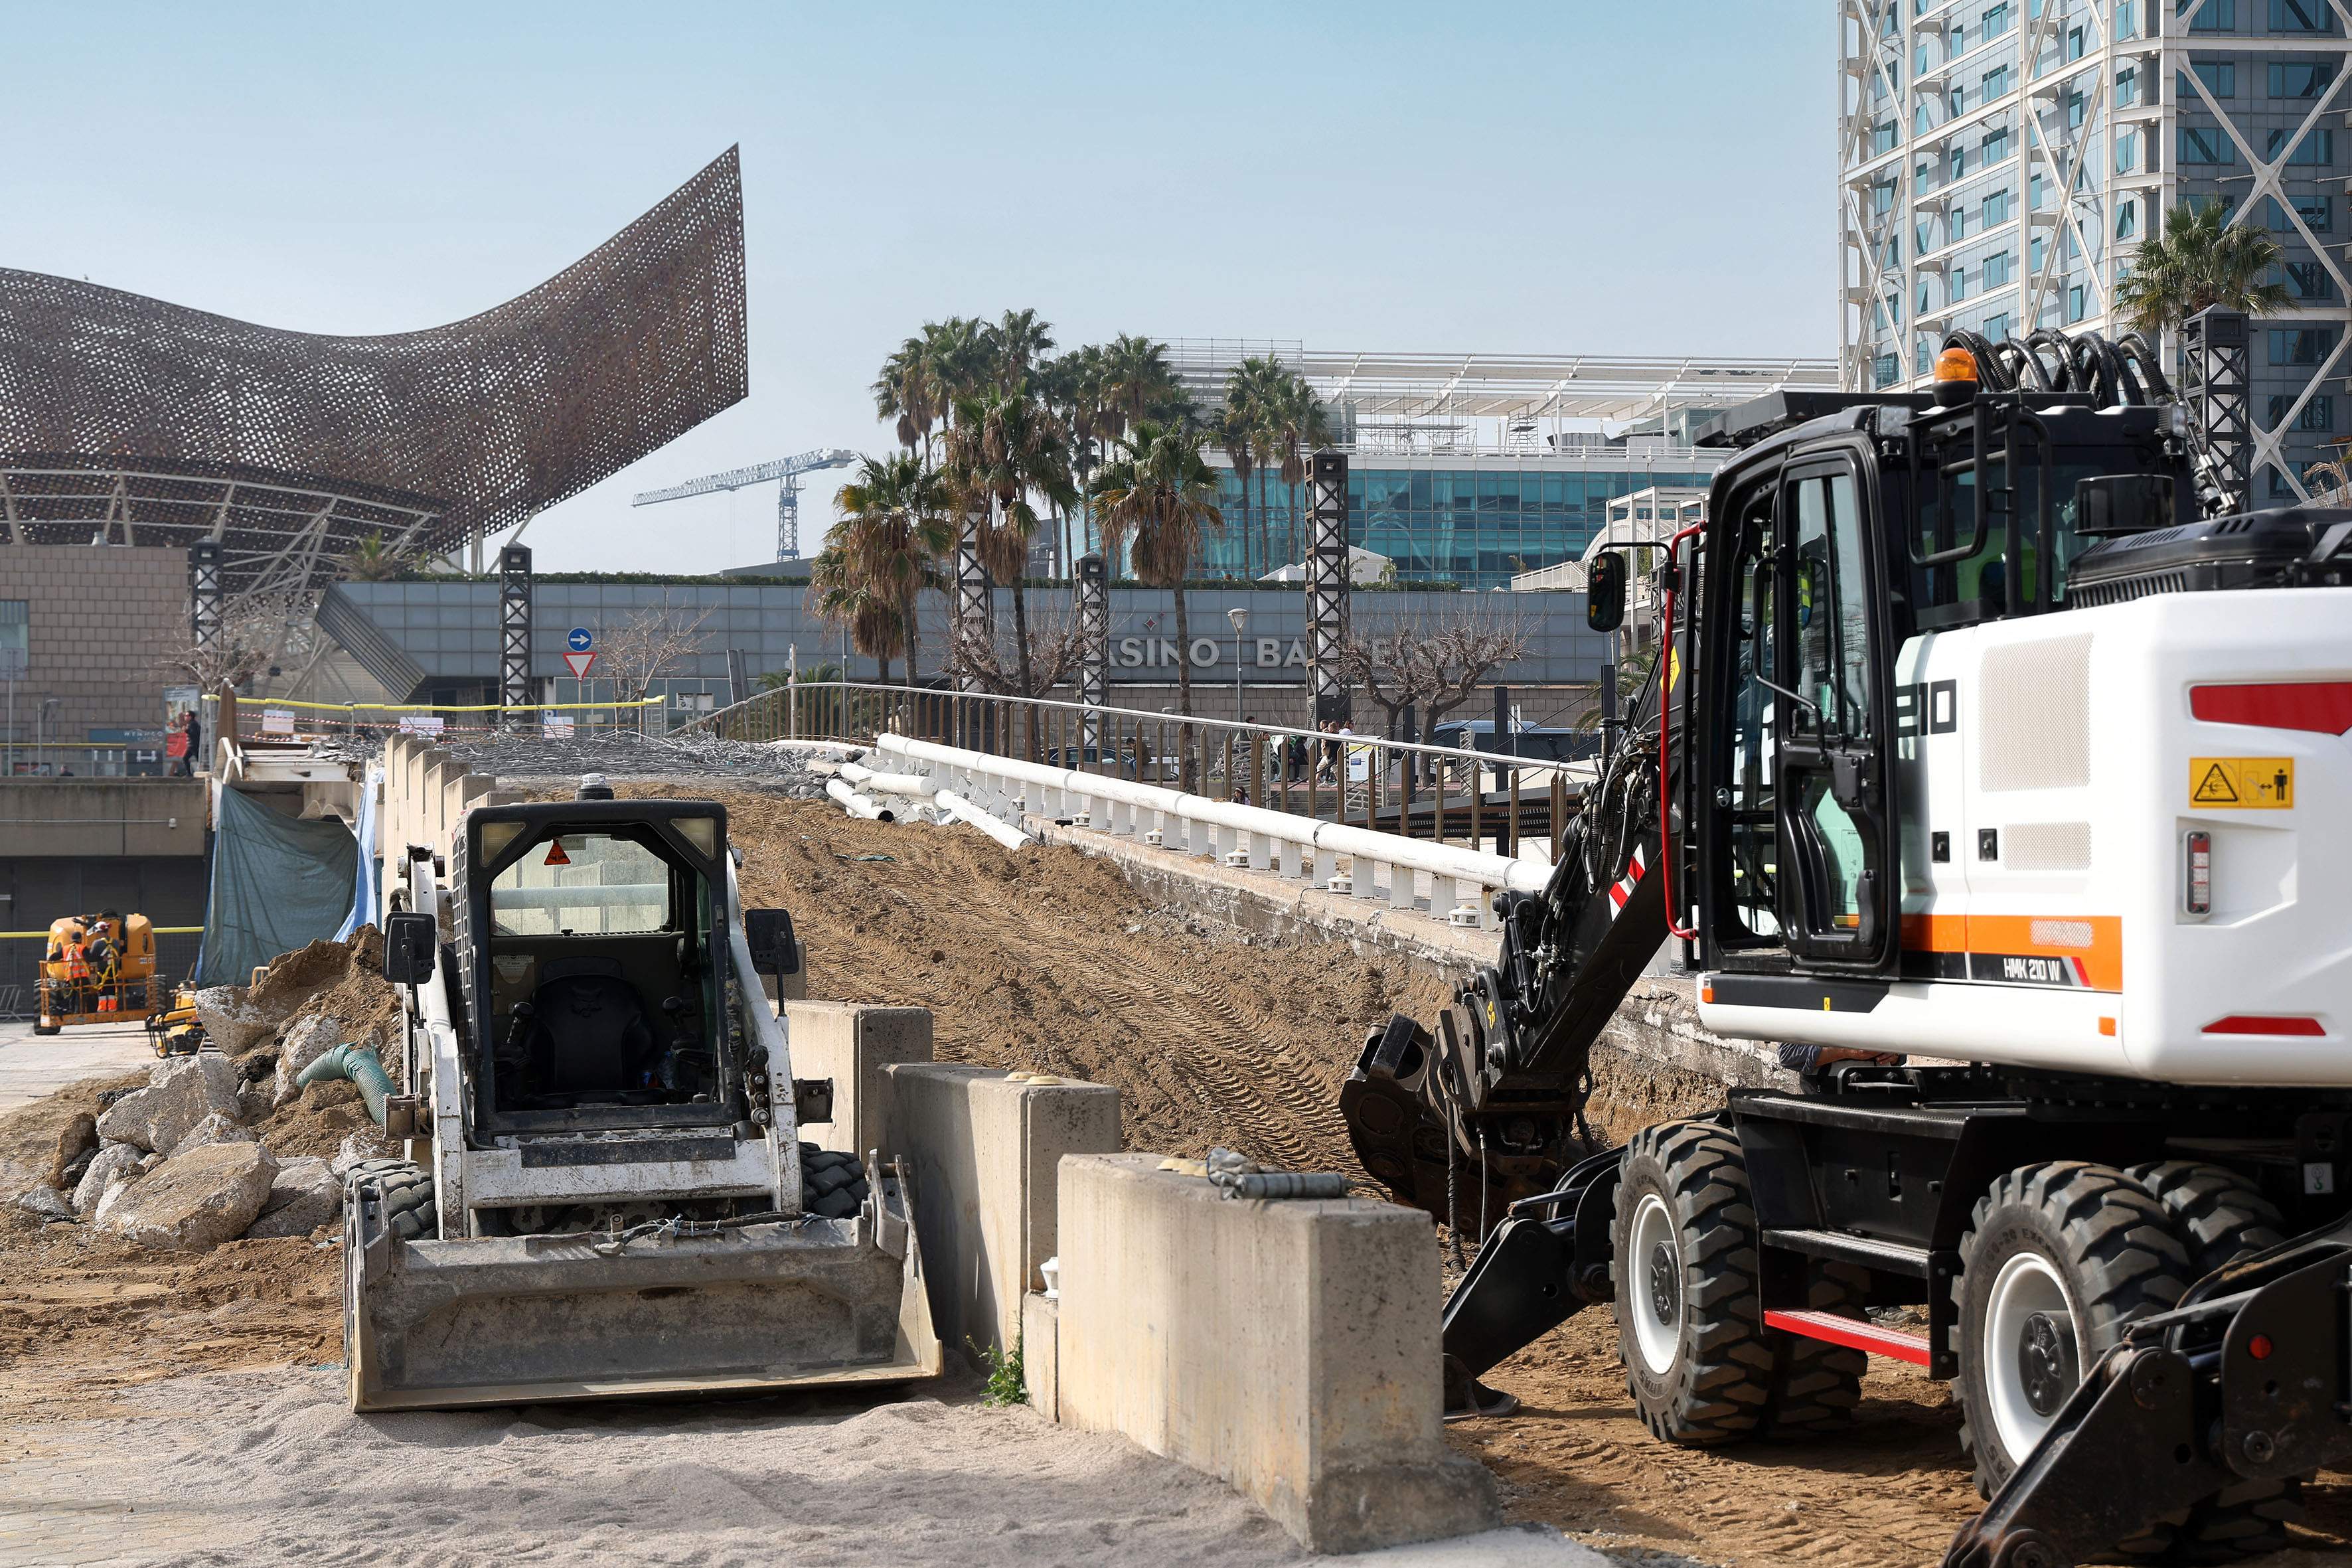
<point x="354" y="1065"/>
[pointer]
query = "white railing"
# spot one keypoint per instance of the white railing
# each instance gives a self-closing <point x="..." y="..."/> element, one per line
<point x="1306" y="848"/>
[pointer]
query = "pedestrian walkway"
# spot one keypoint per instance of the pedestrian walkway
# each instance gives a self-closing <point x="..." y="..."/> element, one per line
<point x="35" y="1064"/>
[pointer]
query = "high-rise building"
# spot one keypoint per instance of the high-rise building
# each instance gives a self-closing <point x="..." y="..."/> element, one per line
<point x="2002" y="160"/>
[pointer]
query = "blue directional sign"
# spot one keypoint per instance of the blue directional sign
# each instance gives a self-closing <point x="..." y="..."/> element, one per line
<point x="579" y="641"/>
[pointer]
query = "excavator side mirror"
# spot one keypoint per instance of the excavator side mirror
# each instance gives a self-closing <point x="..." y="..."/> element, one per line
<point x="1604" y="592"/>
<point x="410" y="942"/>
<point x="2108" y="504"/>
<point x="769" y="934"/>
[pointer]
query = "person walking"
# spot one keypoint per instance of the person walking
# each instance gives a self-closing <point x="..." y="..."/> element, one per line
<point x="175" y="745"/>
<point x="195" y="728"/>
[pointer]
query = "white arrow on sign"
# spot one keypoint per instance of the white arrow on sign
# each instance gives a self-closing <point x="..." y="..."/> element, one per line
<point x="580" y="663"/>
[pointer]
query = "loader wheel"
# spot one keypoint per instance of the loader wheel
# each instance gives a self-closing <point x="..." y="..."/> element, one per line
<point x="1690" y="1323"/>
<point x="1816" y="1385"/>
<point x="2223" y="1217"/>
<point x="2059" y="1257"/>
<point x="833" y="1183"/>
<point x="408" y="1195"/>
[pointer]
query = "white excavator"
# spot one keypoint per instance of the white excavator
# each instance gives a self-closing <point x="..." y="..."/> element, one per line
<point x="606" y="1193"/>
<point x="1987" y="732"/>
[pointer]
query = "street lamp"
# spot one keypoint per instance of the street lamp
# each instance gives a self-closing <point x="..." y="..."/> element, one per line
<point x="1240" y="617"/>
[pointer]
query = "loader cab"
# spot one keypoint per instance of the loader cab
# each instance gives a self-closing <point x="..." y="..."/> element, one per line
<point x="1833" y="544"/>
<point x="597" y="996"/>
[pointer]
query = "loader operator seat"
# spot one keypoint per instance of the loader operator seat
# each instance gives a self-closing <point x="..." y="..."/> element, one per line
<point x="585" y="1035"/>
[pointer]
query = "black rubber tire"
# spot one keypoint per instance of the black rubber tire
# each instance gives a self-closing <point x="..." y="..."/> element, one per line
<point x="1718" y="1388"/>
<point x="1817" y="1385"/>
<point x="2222" y="1217"/>
<point x="832" y="1185"/>
<point x="49" y="1028"/>
<point x="407" y="1196"/>
<point x="2113" y="1250"/>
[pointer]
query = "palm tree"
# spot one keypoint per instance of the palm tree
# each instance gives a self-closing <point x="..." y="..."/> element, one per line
<point x="1161" y="493"/>
<point x="894" y="532"/>
<point x="1258" y="385"/>
<point x="1237" y="433"/>
<point x="2200" y="259"/>
<point x="906" y="392"/>
<point x="1016" y="342"/>
<point x="372" y="561"/>
<point x="1137" y="381"/>
<point x="840" y="597"/>
<point x="1300" y="425"/>
<point x="1003" y="448"/>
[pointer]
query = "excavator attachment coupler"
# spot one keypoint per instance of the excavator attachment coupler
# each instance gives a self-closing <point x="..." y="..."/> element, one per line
<point x="518" y="1319"/>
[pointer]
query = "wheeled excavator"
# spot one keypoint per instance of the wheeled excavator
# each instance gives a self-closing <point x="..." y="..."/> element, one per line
<point x="605" y="1193"/>
<point x="1985" y="731"/>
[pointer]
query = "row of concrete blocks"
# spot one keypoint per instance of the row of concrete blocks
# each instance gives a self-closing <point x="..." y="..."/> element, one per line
<point x="426" y="794"/>
<point x="1239" y="848"/>
<point x="1290" y="1348"/>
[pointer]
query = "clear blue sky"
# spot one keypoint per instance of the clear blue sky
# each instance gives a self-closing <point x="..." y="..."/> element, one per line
<point x="1577" y="175"/>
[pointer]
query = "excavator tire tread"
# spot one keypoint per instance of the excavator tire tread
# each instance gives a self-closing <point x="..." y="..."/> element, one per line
<point x="833" y="1183"/>
<point x="1720" y="1390"/>
<point x="1817" y="1384"/>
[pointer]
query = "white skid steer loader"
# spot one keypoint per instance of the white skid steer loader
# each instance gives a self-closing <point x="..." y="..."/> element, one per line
<point x="606" y="1194"/>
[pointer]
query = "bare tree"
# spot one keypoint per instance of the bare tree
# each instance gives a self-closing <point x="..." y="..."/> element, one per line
<point x="1432" y="663"/>
<point x="253" y="632"/>
<point x="650" y="642"/>
<point x="1056" y="651"/>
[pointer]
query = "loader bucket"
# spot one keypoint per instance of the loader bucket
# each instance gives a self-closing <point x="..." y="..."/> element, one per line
<point x="518" y="1319"/>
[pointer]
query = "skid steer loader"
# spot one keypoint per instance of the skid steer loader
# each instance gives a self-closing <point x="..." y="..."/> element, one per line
<point x="605" y="1194"/>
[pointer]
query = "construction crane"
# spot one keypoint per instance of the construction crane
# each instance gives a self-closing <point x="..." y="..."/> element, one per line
<point x="787" y="471"/>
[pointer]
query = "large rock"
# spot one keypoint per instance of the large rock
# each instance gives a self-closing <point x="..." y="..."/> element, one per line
<point x="114" y="1165"/>
<point x="217" y="1128"/>
<point x="233" y="1021"/>
<point x="194" y="1201"/>
<point x="305" y="1041"/>
<point x="303" y="1196"/>
<point x="37" y="1141"/>
<point x="180" y="1093"/>
<point x="46" y="1202"/>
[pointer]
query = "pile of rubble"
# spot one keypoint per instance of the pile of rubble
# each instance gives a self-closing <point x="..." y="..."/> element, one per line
<point x="221" y="1144"/>
<point x="525" y="755"/>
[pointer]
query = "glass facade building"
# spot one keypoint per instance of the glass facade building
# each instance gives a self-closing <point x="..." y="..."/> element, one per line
<point x="1470" y="521"/>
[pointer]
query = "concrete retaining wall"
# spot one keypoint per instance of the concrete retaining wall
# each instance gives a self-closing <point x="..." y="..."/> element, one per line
<point x="984" y="1148"/>
<point x="1290" y="1348"/>
<point x="856" y="1045"/>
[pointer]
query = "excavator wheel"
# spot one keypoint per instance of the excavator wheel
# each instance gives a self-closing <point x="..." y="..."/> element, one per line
<point x="833" y="1183"/>
<point x="2059" y="1257"/>
<point x="408" y="1195"/>
<point x="1690" y="1322"/>
<point x="2222" y="1218"/>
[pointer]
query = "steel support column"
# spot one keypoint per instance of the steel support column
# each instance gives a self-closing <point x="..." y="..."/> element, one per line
<point x="1094" y="637"/>
<point x="975" y="607"/>
<point x="1326" y="583"/>
<point x="203" y="592"/>
<point x="514" y="631"/>
<point x="2214" y="380"/>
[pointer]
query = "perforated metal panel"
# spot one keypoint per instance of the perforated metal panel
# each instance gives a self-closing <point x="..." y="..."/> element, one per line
<point x="430" y="439"/>
<point x="2048" y="847"/>
<point x="2033" y="715"/>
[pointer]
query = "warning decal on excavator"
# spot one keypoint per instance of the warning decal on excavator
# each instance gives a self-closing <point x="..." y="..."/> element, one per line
<point x="2242" y="784"/>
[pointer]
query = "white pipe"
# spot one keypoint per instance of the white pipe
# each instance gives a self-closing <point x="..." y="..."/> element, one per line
<point x="963" y="811"/>
<point x="888" y="784"/>
<point x="1388" y="848"/>
<point x="857" y="805"/>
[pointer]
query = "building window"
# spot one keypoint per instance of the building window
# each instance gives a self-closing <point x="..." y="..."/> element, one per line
<point x="1881" y="198"/>
<point x="2319" y="147"/>
<point x="1997" y="268"/>
<point x="1956" y="227"/>
<point x="1996" y="328"/>
<point x="2127" y="152"/>
<point x="2220" y="77"/>
<point x="2215" y="16"/>
<point x="1996" y="208"/>
<point x="15" y="638"/>
<point x="2206" y="144"/>
<point x="2127" y="19"/>
<point x="1996" y="145"/>
<point x="1996" y="21"/>
<point x="2301" y="78"/>
<point x="1959" y="289"/>
<point x="1919" y="300"/>
<point x="2074" y="43"/>
<point x="2126" y="87"/>
<point x="2300" y="345"/>
<point x="2279" y="489"/>
<point x="1995" y="83"/>
<point x="1959" y="162"/>
<point x="1919" y="359"/>
<point x="2126" y="219"/>
<point x="1883" y="369"/>
<point x="2073" y="110"/>
<point x="2318" y="413"/>
<point x="2034" y="193"/>
<point x="2316" y="212"/>
<point x="2301" y="17"/>
<point x="2041" y="250"/>
<point x="2309" y="280"/>
<point x="2076" y="300"/>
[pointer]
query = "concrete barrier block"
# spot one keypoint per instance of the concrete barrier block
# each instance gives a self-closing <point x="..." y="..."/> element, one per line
<point x="1290" y="1348"/>
<point x="856" y="1045"/>
<point x="1040" y="1353"/>
<point x="984" y="1151"/>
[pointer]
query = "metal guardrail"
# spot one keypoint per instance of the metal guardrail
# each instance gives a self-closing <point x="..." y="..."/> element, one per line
<point x="1402" y="787"/>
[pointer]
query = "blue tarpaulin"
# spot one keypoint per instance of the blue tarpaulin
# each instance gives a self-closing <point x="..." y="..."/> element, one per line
<point x="278" y="883"/>
<point x="367" y="876"/>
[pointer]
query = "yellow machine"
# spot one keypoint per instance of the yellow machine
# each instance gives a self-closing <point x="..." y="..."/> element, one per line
<point x="172" y="1028"/>
<point x="99" y="969"/>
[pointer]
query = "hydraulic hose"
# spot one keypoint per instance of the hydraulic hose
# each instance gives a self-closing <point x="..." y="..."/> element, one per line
<point x="355" y="1065"/>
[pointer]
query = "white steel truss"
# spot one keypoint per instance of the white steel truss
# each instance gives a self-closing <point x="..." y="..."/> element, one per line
<point x="2001" y="161"/>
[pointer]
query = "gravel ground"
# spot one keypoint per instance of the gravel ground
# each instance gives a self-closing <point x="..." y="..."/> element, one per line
<point x="244" y="1467"/>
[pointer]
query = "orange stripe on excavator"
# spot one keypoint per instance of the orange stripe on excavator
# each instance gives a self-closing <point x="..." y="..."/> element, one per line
<point x="2102" y="961"/>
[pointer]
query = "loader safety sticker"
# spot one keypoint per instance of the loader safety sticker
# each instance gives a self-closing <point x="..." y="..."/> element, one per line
<point x="1622" y="889"/>
<point x="2242" y="784"/>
